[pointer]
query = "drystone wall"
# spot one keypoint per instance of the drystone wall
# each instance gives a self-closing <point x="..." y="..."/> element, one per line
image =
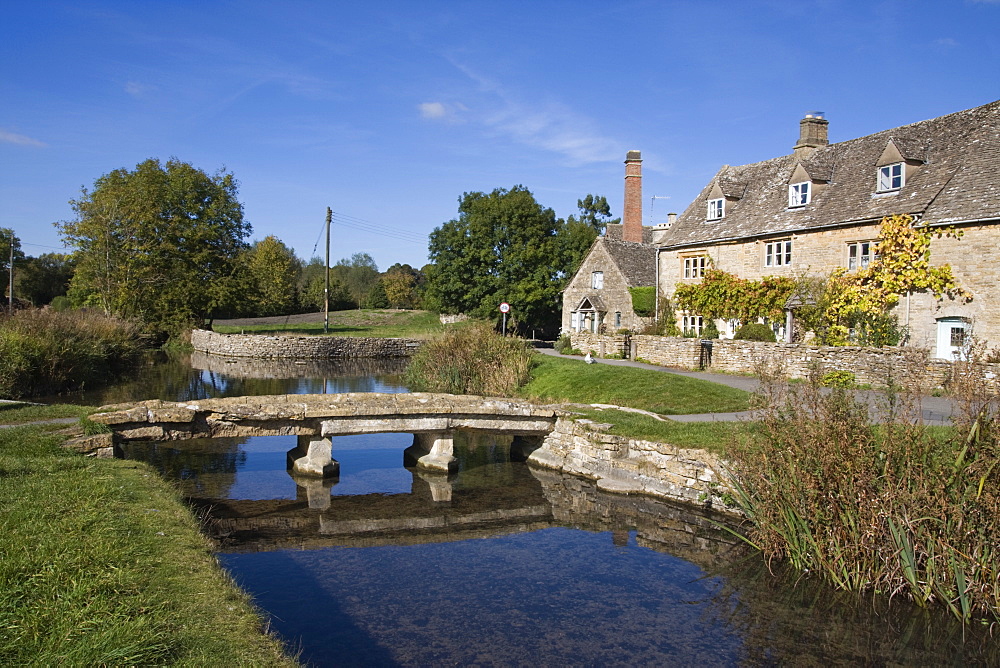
<point x="299" y="347"/>
<point x="627" y="466"/>
<point x="870" y="366"/>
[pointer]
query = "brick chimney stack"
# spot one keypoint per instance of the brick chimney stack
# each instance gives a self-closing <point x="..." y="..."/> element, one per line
<point x="632" y="217"/>
<point x="812" y="133"/>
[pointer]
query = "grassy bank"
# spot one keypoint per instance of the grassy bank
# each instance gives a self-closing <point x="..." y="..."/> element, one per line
<point x="102" y="564"/>
<point x="558" y="379"/>
<point x="47" y="352"/>
<point x="381" y="323"/>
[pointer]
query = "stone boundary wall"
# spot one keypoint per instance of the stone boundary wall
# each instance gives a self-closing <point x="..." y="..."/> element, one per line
<point x="870" y="366"/>
<point x="284" y="368"/>
<point x="626" y="466"/>
<point x="299" y="347"/>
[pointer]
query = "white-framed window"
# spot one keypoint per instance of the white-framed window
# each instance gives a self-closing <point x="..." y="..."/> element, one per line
<point x="778" y="253"/>
<point x="692" y="323"/>
<point x="860" y="254"/>
<point x="891" y="177"/>
<point x="575" y="321"/>
<point x="597" y="280"/>
<point x="716" y="208"/>
<point x="799" y="194"/>
<point x="694" y="266"/>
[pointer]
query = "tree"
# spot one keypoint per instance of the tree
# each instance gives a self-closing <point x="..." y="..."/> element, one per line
<point x="595" y="212"/>
<point x="158" y="243"/>
<point x="312" y="282"/>
<point x="273" y="273"/>
<point x="358" y="275"/>
<point x="41" y="279"/>
<point x="399" y="286"/>
<point x="502" y="247"/>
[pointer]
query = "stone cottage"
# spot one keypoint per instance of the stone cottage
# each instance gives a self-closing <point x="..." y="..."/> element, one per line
<point x="818" y="208"/>
<point x="597" y="297"/>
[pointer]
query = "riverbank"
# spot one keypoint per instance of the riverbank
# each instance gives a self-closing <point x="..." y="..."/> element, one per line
<point x="101" y="563"/>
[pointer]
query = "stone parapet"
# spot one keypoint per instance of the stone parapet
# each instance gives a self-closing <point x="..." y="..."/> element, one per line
<point x="300" y="347"/>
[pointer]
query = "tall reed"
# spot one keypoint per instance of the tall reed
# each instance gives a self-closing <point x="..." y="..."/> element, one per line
<point x="472" y="359"/>
<point x="45" y="351"/>
<point x="874" y="499"/>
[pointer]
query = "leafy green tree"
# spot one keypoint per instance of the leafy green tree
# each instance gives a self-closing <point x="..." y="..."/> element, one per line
<point x="41" y="279"/>
<point x="312" y="282"/>
<point x="502" y="247"/>
<point x="595" y="212"/>
<point x="273" y="273"/>
<point x="159" y="243"/>
<point x="399" y="286"/>
<point x="359" y="275"/>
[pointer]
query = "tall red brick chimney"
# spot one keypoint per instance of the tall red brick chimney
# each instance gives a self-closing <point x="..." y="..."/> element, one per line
<point x="632" y="217"/>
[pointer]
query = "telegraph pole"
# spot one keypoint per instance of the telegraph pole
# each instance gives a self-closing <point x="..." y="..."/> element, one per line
<point x="326" y="288"/>
<point x="10" y="274"/>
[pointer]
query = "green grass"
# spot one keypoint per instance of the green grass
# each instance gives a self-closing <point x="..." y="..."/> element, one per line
<point x="19" y="413"/>
<point x="711" y="436"/>
<point x="372" y="323"/>
<point x="557" y="379"/>
<point x="102" y="564"/>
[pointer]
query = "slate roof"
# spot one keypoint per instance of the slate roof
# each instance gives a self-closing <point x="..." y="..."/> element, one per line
<point x="637" y="262"/>
<point x="957" y="180"/>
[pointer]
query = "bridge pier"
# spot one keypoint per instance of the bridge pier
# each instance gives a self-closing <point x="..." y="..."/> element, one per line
<point x="317" y="491"/>
<point x="433" y="451"/>
<point x="438" y="483"/>
<point x="312" y="457"/>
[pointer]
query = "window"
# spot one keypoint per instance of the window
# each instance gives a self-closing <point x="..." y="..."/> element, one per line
<point x="798" y="194"/>
<point x="694" y="267"/>
<point x="716" y="208"/>
<point x="597" y="280"/>
<point x="778" y="253"/>
<point x="618" y="319"/>
<point x="692" y="323"/>
<point x="890" y="177"/>
<point x="860" y="254"/>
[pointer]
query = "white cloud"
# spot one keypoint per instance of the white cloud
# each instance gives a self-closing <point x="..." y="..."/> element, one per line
<point x="946" y="42"/>
<point x="432" y="110"/>
<point x="20" y="140"/>
<point x="135" y="89"/>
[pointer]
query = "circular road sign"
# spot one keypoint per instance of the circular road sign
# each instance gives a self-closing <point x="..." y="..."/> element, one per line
<point x="504" y="307"/>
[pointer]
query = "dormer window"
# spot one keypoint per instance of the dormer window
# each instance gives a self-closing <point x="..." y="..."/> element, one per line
<point x="716" y="208"/>
<point x="891" y="177"/>
<point x="799" y="194"/>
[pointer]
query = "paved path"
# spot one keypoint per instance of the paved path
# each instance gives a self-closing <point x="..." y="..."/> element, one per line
<point x="934" y="410"/>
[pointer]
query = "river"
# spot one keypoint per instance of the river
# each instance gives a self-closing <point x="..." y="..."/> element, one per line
<point x="500" y="563"/>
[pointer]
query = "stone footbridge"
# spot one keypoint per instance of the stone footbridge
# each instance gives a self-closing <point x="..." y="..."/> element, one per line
<point x="315" y="418"/>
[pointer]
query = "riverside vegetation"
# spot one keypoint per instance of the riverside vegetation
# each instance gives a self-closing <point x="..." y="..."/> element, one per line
<point x="46" y="352"/>
<point x="896" y="507"/>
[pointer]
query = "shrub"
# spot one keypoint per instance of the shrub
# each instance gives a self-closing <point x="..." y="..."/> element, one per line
<point x="562" y="344"/>
<point x="47" y="351"/>
<point x="470" y="360"/>
<point x="710" y="331"/>
<point x="838" y="378"/>
<point x="755" y="331"/>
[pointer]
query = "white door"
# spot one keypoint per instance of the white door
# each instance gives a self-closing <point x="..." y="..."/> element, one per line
<point x="952" y="338"/>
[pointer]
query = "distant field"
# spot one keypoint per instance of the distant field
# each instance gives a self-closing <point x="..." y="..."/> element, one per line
<point x="381" y="323"/>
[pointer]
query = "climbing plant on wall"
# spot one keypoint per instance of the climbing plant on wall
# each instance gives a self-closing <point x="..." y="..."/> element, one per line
<point x="901" y="266"/>
<point x="721" y="295"/>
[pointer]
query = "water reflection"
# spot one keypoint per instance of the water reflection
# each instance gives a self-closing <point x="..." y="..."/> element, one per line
<point x="505" y="564"/>
<point x="190" y="376"/>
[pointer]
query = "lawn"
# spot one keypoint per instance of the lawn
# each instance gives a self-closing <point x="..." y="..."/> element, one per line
<point x="102" y="564"/>
<point x="19" y="413"/>
<point x="572" y="380"/>
<point x="381" y="323"/>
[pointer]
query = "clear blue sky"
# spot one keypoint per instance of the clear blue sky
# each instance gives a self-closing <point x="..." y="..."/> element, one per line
<point x="388" y="111"/>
